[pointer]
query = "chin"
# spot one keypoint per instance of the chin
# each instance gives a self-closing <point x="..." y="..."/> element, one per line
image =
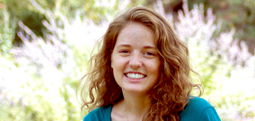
<point x="136" y="91"/>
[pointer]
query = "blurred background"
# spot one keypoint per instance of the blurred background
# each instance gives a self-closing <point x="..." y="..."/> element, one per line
<point x="45" y="46"/>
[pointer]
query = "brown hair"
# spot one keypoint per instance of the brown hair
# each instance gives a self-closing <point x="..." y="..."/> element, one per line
<point x="172" y="91"/>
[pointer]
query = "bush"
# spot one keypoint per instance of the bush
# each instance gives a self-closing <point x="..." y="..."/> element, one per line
<point x="38" y="79"/>
<point x="47" y="69"/>
<point x="227" y="70"/>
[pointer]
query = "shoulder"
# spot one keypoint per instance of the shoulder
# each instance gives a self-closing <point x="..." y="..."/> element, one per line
<point x="99" y="114"/>
<point x="199" y="109"/>
<point x="195" y="102"/>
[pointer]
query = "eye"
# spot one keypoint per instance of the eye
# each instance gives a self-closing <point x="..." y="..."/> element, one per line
<point x="123" y="51"/>
<point x="149" y="53"/>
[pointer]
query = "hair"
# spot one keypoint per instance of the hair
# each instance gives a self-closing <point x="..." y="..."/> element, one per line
<point x="169" y="95"/>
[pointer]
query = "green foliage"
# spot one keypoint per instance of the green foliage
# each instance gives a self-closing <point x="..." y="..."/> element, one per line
<point x="31" y="13"/>
<point x="219" y="60"/>
<point x="239" y="14"/>
<point x="47" y="69"/>
<point x="38" y="80"/>
<point x="243" y="18"/>
<point x="6" y="31"/>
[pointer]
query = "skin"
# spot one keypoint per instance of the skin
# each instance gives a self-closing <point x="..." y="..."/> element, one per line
<point x="135" y="52"/>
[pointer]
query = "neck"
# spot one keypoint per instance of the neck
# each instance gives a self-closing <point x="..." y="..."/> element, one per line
<point x="136" y="106"/>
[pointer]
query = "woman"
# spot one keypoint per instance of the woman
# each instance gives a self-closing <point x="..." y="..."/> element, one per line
<point x="142" y="73"/>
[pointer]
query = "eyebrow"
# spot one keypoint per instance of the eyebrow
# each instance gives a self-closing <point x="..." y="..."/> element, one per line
<point x="123" y="45"/>
<point x="127" y="45"/>
<point x="149" y="47"/>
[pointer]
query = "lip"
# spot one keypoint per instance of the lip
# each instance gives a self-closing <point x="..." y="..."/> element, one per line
<point x="135" y="80"/>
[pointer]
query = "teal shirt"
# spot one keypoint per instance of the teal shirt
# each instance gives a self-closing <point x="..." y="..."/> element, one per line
<point x="197" y="109"/>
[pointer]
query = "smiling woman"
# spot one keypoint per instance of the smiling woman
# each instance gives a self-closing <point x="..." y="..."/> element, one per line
<point x="142" y="73"/>
<point x="134" y="61"/>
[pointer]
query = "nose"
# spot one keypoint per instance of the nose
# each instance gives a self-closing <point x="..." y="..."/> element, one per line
<point x="135" y="61"/>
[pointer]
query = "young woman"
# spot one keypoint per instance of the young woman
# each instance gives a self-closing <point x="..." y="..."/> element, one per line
<point x="142" y="73"/>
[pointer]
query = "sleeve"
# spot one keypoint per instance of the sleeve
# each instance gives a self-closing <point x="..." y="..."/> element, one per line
<point x="90" y="117"/>
<point x="99" y="114"/>
<point x="94" y="115"/>
<point x="210" y="114"/>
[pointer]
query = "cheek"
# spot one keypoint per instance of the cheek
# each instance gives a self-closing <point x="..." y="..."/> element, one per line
<point x="156" y="69"/>
<point x="116" y="65"/>
<point x="155" y="65"/>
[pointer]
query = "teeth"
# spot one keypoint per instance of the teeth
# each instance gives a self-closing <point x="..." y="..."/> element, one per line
<point x="135" y="76"/>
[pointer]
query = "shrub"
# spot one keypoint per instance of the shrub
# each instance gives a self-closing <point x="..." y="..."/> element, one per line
<point x="227" y="69"/>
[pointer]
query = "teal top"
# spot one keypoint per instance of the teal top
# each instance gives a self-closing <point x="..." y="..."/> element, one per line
<point x="197" y="109"/>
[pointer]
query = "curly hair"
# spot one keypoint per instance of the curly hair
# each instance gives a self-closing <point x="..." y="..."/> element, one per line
<point x="169" y="95"/>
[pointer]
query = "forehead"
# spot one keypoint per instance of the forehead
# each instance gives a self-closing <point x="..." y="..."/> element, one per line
<point x="137" y="34"/>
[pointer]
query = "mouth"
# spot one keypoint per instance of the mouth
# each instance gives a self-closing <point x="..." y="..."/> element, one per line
<point x="135" y="75"/>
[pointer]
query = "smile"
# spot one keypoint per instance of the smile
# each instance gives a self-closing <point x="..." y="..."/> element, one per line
<point x="135" y="75"/>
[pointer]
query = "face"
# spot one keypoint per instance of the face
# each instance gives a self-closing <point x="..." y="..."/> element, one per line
<point x="135" y="60"/>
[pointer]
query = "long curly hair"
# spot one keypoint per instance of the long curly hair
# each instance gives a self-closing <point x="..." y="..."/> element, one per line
<point x="170" y="94"/>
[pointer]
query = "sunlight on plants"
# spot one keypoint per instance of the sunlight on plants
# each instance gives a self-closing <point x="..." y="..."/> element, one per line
<point x="38" y="80"/>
